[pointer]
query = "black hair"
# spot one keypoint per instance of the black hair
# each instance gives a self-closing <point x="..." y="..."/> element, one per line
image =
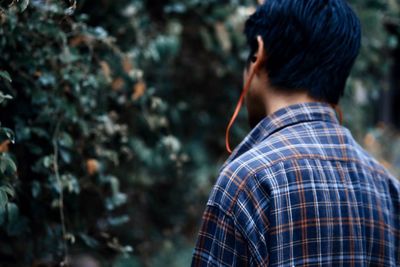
<point x="309" y="44"/>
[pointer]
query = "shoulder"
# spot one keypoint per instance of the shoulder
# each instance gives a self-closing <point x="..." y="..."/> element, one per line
<point x="239" y="181"/>
<point x="374" y="165"/>
<point x="242" y="194"/>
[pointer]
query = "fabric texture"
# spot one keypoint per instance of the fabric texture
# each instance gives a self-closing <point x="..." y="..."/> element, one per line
<point x="299" y="191"/>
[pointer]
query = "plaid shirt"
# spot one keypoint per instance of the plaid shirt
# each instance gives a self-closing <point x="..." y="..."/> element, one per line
<point x="299" y="191"/>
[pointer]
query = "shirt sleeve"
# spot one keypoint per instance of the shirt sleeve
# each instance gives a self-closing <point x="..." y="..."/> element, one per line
<point x="219" y="242"/>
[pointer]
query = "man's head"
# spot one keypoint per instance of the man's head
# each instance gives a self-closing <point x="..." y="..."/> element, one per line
<point x="309" y="46"/>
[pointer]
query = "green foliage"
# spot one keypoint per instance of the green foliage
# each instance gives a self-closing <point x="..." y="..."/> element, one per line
<point x="8" y="170"/>
<point x="119" y="110"/>
<point x="72" y="85"/>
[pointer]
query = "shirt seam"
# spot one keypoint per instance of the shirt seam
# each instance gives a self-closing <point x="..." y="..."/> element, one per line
<point x="237" y="225"/>
<point x="282" y="127"/>
<point x="254" y="172"/>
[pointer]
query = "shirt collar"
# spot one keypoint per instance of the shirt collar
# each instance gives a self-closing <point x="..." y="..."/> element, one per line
<point x="297" y="113"/>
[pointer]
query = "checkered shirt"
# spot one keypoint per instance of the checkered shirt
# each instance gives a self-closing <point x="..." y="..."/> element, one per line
<point x="299" y="191"/>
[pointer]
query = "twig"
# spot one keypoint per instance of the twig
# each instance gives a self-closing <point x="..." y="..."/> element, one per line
<point x="61" y="195"/>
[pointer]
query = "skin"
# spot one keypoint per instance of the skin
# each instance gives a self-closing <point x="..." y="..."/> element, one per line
<point x="263" y="99"/>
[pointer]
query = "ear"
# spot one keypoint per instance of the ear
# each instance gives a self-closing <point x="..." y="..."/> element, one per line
<point x="259" y="58"/>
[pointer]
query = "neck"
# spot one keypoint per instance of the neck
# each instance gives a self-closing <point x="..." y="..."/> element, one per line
<point x="275" y="100"/>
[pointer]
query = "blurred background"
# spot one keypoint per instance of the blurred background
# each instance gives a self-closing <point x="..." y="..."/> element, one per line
<point x="113" y="116"/>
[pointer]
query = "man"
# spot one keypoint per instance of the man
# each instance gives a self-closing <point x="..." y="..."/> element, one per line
<point x="299" y="190"/>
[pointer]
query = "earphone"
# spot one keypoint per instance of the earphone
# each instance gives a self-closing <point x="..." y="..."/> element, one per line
<point x="241" y="99"/>
<point x="240" y="102"/>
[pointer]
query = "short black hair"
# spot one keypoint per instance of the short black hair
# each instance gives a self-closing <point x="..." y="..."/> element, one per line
<point x="310" y="44"/>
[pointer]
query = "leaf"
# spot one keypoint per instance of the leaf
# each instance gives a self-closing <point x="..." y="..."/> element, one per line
<point x="23" y="5"/>
<point x="36" y="189"/>
<point x="9" y="190"/>
<point x="16" y="224"/>
<point x="4" y="146"/>
<point x="116" y="200"/>
<point x="116" y="221"/>
<point x="66" y="140"/>
<point x="48" y="161"/>
<point x="65" y="155"/>
<point x="8" y="133"/>
<point x="70" y="237"/>
<point x="7" y="165"/>
<point x="100" y="32"/>
<point x="12" y="213"/>
<point x="5" y="75"/>
<point x="138" y="90"/>
<point x="47" y="79"/>
<point x="92" y="166"/>
<point x="3" y="198"/>
<point x="118" y="84"/>
<point x="4" y="97"/>
<point x="2" y="215"/>
<point x="70" y="183"/>
<point x="70" y="10"/>
<point x="89" y="241"/>
<point x="127" y="65"/>
<point x="105" y="68"/>
<point x="223" y="37"/>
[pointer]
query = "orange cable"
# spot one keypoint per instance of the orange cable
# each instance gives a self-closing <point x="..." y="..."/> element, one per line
<point x="239" y="105"/>
<point x="237" y="110"/>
